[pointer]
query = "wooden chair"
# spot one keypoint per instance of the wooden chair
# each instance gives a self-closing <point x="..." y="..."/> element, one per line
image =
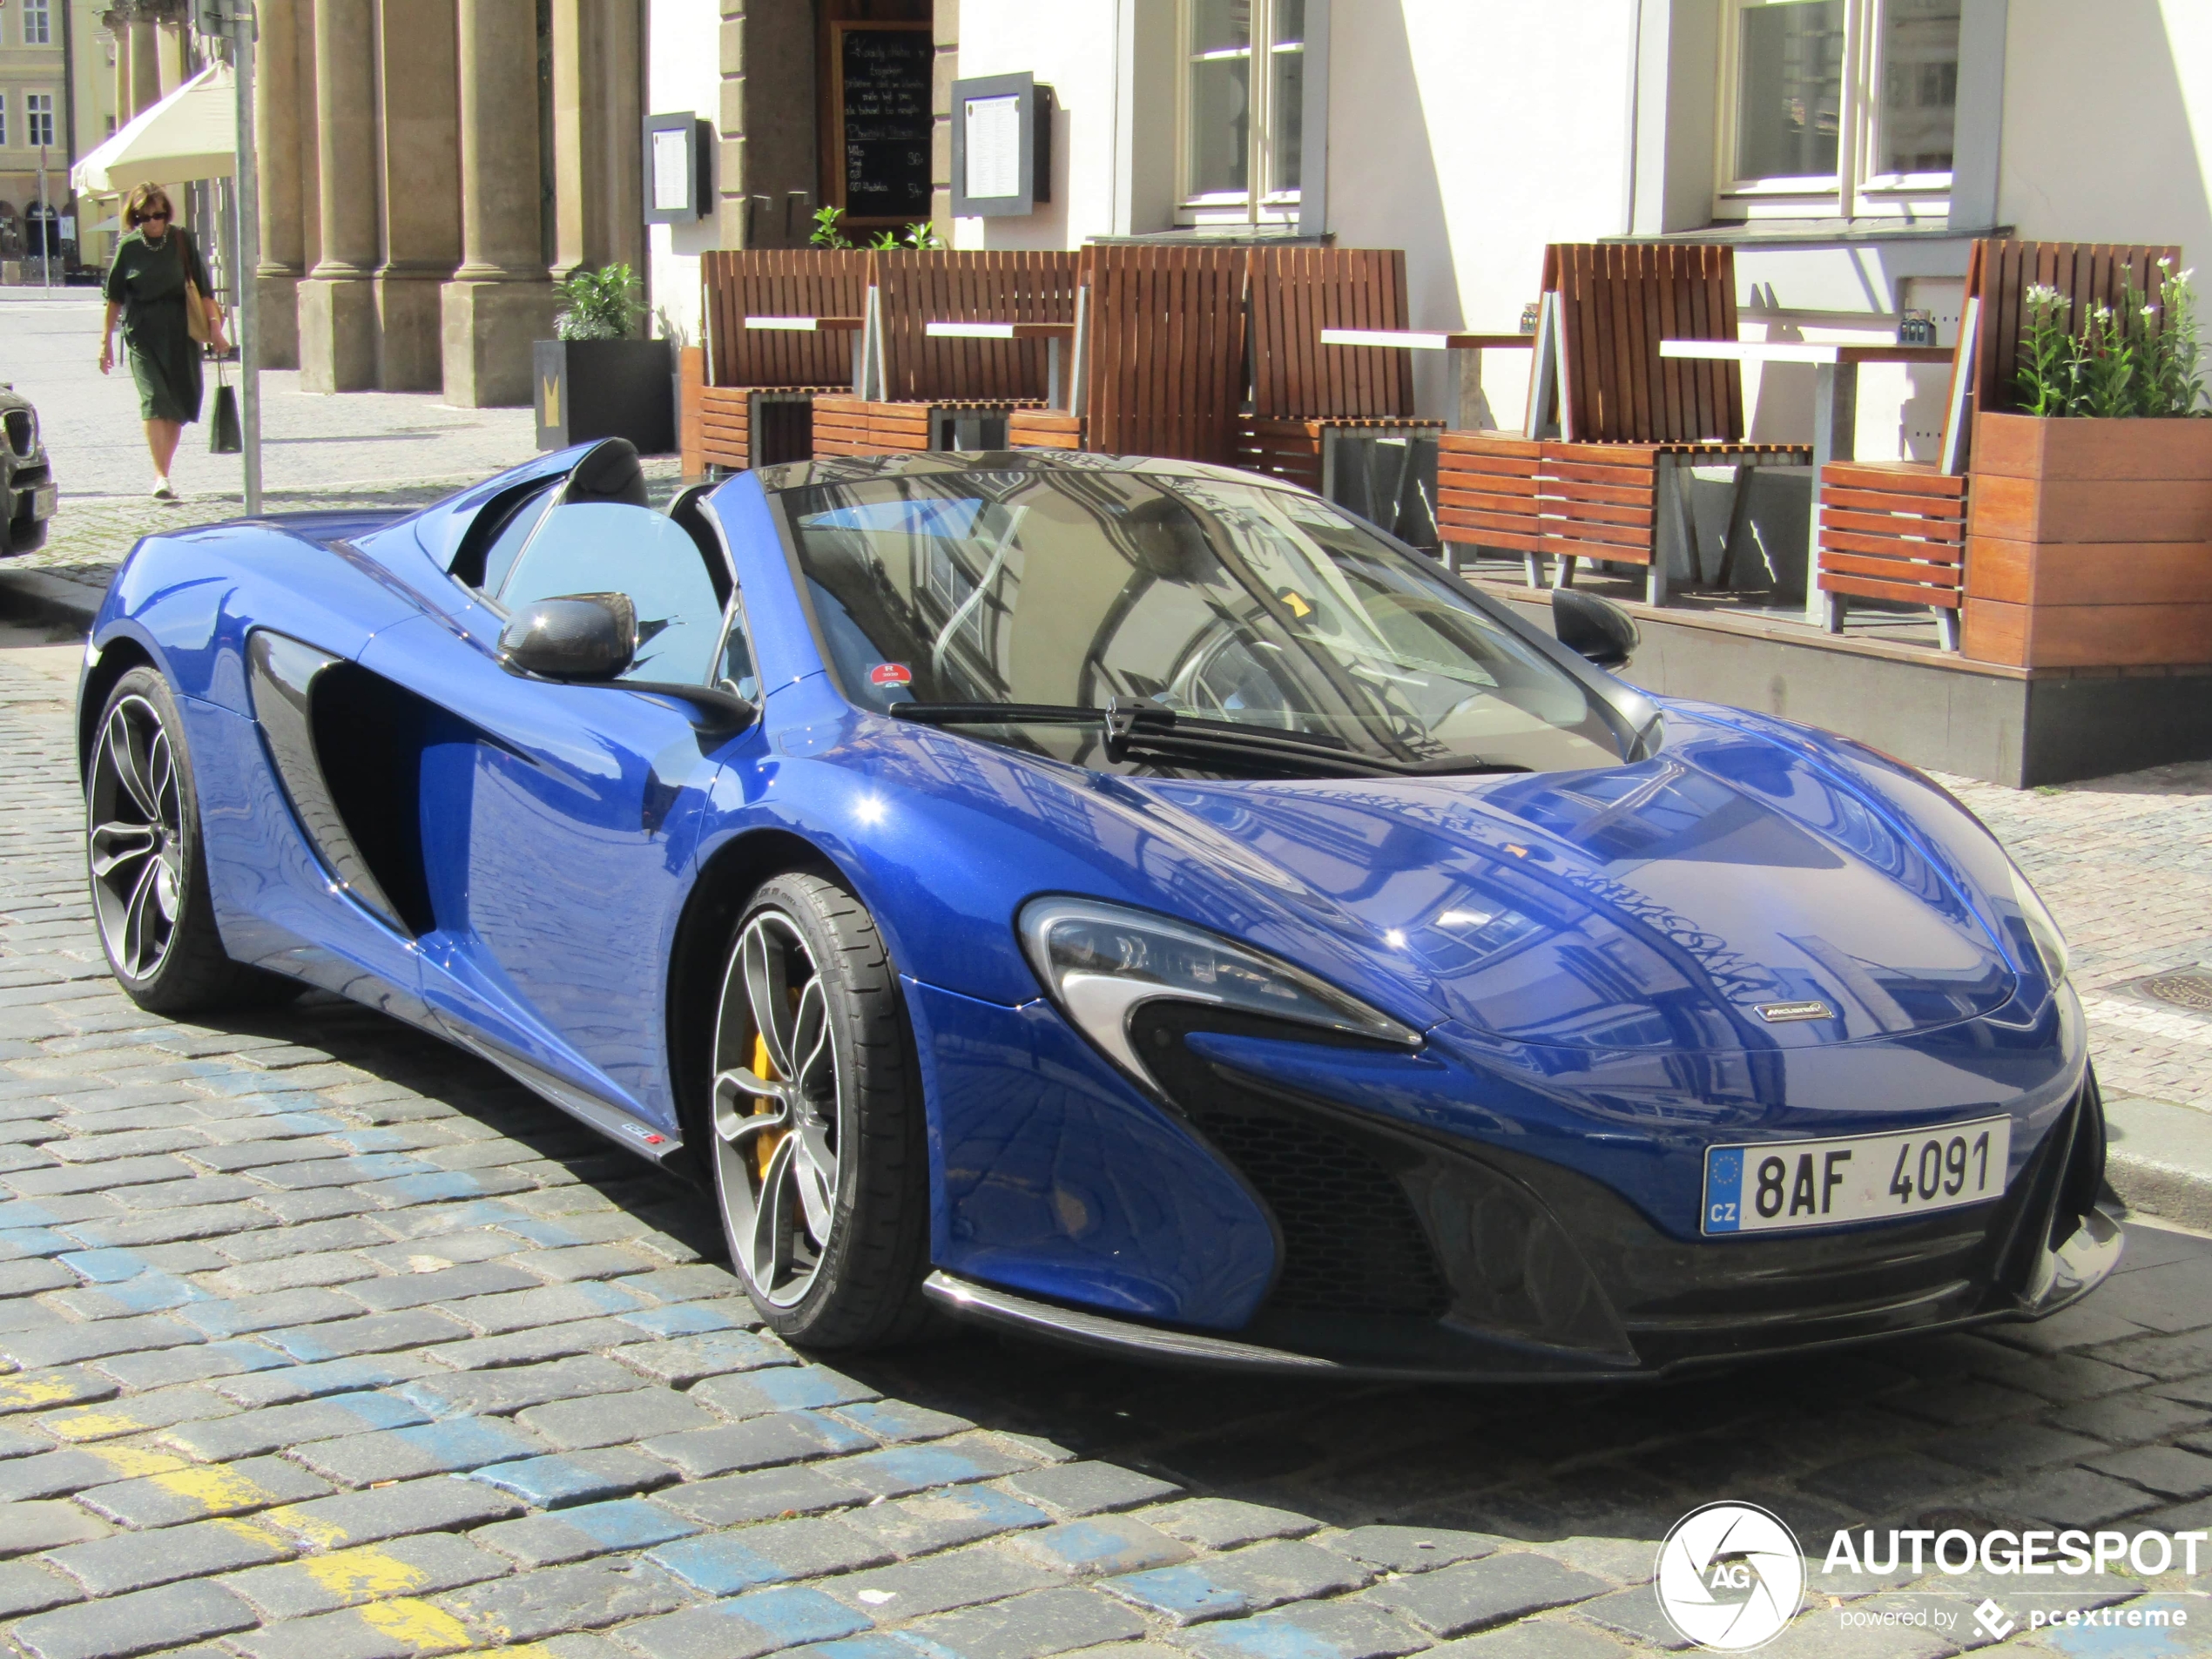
<point x="1159" y="355"/>
<point x="1306" y="395"/>
<point x="923" y="392"/>
<point x="755" y="408"/>
<point x="1896" y="530"/>
<point x="1617" y="426"/>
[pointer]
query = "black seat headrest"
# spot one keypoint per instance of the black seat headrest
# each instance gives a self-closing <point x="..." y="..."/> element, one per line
<point x="609" y="473"/>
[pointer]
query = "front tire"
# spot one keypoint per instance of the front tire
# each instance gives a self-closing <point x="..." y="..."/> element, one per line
<point x="147" y="868"/>
<point x="819" y="1164"/>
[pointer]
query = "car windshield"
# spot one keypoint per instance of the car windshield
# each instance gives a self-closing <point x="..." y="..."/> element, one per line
<point x="1224" y="603"/>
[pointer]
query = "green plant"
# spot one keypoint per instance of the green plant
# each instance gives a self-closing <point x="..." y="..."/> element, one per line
<point x="827" y="232"/>
<point x="603" y="304"/>
<point x="2047" y="353"/>
<point x="2137" y="358"/>
<point x="2176" y="371"/>
<point x="921" y="233"/>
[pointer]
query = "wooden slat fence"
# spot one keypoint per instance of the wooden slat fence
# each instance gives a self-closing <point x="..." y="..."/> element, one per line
<point x="780" y="282"/>
<point x="915" y="287"/>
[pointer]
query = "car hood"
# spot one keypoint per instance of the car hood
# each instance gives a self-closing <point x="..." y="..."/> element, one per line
<point x="1659" y="904"/>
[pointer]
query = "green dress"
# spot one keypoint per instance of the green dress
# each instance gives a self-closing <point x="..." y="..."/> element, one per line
<point x="148" y="280"/>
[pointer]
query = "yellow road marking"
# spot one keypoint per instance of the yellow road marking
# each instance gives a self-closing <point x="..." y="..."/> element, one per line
<point x="363" y="1574"/>
<point x="254" y="1532"/>
<point x="423" y="1627"/>
<point x="320" y="1533"/>
<point x="91" y="1424"/>
<point x="130" y="1462"/>
<point x="21" y="1393"/>
<point x="215" y="1489"/>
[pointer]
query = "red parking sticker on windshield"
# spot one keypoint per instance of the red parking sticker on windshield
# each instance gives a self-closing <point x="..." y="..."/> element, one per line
<point x="891" y="674"/>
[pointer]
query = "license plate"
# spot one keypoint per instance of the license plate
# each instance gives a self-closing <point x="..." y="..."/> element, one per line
<point x="42" y="500"/>
<point x="1773" y="1185"/>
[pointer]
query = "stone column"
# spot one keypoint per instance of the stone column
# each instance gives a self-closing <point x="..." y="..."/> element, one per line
<point x="499" y="300"/>
<point x="598" y="170"/>
<point x="769" y="179"/>
<point x="303" y="72"/>
<point x="119" y="29"/>
<point x="276" y="138"/>
<point x="169" y="45"/>
<point x="145" y="64"/>
<point x="421" y="191"/>
<point x="337" y="301"/>
<point x="945" y="15"/>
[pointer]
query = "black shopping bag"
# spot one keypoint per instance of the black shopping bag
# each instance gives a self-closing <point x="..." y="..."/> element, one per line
<point x="222" y="436"/>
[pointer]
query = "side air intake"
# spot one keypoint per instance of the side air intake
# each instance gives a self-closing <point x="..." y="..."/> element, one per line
<point x="347" y="746"/>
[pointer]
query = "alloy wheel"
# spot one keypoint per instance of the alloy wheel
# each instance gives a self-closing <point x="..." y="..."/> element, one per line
<point x="776" y="1095"/>
<point x="135" y="839"/>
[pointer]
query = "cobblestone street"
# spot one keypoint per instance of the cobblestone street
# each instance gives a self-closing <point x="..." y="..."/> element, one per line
<point x="323" y="1341"/>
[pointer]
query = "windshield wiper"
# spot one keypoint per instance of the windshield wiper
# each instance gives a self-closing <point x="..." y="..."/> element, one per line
<point x="1140" y="727"/>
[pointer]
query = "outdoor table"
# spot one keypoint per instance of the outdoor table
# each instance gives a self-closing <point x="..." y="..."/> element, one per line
<point x="1057" y="337"/>
<point x="1469" y="411"/>
<point x="856" y="326"/>
<point x="1834" y="412"/>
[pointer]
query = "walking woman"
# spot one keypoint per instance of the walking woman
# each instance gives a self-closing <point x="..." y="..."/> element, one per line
<point x="146" y="288"/>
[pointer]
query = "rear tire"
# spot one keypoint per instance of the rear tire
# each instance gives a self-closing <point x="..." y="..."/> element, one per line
<point x="819" y="1164"/>
<point x="146" y="865"/>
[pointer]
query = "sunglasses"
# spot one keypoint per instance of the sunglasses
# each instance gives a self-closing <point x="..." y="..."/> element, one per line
<point x="155" y="218"/>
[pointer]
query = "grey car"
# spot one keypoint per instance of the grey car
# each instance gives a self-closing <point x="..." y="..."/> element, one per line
<point x="27" y="490"/>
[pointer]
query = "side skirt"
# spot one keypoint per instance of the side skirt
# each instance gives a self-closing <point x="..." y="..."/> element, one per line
<point x="632" y="1133"/>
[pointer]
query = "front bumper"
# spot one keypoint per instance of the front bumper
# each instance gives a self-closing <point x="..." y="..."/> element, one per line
<point x="1485" y="1265"/>
<point x="2075" y="1269"/>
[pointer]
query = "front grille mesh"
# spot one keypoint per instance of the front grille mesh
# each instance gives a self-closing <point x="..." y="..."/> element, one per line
<point x="1351" y="1244"/>
<point x="22" y="435"/>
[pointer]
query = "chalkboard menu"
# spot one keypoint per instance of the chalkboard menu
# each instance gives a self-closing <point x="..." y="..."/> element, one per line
<point x="882" y="124"/>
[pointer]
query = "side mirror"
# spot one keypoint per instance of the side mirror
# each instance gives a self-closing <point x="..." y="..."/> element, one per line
<point x="1593" y="628"/>
<point x="578" y="637"/>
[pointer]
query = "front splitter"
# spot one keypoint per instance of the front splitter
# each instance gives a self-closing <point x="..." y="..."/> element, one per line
<point x="2065" y="1275"/>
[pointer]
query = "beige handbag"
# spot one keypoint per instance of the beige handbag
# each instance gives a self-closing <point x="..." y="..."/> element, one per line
<point x="195" y="309"/>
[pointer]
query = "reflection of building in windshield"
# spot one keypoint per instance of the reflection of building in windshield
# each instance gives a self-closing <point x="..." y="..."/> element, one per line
<point x="1221" y="601"/>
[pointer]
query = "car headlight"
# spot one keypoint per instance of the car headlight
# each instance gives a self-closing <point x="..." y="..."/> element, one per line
<point x="1102" y="962"/>
<point x="2043" y="927"/>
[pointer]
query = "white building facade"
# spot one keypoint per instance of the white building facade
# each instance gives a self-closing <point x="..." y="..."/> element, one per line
<point x="1850" y="149"/>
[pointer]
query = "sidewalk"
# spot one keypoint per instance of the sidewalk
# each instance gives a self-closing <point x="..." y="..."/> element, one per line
<point x="380" y="448"/>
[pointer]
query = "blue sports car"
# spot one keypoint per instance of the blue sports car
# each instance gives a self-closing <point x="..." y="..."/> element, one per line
<point x="1128" y="901"/>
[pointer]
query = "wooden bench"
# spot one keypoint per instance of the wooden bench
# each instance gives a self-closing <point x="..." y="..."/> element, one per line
<point x="1158" y="359"/>
<point x="1896" y="530"/>
<point x="1311" y="387"/>
<point x="1613" y="426"/>
<point x="755" y="408"/>
<point x="954" y="389"/>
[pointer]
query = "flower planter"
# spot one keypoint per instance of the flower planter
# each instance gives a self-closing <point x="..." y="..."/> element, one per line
<point x="2089" y="543"/>
<point x="604" y="388"/>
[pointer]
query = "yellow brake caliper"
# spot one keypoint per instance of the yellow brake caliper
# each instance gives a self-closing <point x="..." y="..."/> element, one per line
<point x="763" y="1145"/>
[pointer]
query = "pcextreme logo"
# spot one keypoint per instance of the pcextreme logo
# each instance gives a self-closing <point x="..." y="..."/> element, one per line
<point x="1731" y="1576"/>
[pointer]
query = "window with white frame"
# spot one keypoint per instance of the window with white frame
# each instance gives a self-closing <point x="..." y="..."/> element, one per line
<point x="37" y="24"/>
<point x="1837" y="108"/>
<point x="37" y="119"/>
<point x="1242" y="98"/>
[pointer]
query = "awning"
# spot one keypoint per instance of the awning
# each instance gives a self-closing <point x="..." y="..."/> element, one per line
<point x="190" y="134"/>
